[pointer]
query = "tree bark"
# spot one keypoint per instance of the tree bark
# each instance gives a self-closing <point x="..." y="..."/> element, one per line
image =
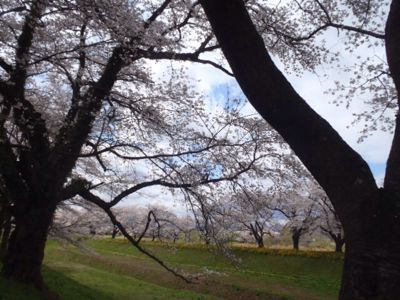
<point x="25" y="251"/>
<point x="392" y="42"/>
<point x="370" y="217"/>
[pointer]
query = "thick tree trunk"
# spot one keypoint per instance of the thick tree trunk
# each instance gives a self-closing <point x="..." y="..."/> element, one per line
<point x="371" y="271"/>
<point x="25" y="251"/>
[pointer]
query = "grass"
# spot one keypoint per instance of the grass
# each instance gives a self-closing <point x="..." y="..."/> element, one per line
<point x="112" y="269"/>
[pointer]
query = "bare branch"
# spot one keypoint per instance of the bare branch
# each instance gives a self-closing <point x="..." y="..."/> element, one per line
<point x="11" y="10"/>
<point x="104" y="205"/>
<point x="157" y="13"/>
<point x="6" y="66"/>
<point x="194" y="57"/>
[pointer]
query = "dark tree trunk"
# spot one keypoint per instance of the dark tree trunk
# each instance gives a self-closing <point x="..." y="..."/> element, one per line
<point x="392" y="42"/>
<point x="370" y="219"/>
<point x="339" y="246"/>
<point x="114" y="232"/>
<point x="339" y="242"/>
<point x="259" y="240"/>
<point x="338" y="238"/>
<point x="260" y="243"/>
<point x="296" y="241"/>
<point x="5" y="234"/>
<point x="25" y="251"/>
<point x="372" y="256"/>
<point x="259" y="237"/>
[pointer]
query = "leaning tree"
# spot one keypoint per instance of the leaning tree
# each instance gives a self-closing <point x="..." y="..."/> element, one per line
<point x="369" y="214"/>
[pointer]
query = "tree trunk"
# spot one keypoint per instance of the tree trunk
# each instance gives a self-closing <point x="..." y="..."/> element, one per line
<point x="257" y="236"/>
<point x="259" y="239"/>
<point x="372" y="257"/>
<point x="5" y="235"/>
<point x="296" y="241"/>
<point x="25" y="251"/>
<point x="114" y="232"/>
<point x="370" y="271"/>
<point x="339" y="245"/>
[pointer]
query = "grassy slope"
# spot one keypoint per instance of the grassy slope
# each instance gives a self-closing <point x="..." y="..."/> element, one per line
<point x="117" y="271"/>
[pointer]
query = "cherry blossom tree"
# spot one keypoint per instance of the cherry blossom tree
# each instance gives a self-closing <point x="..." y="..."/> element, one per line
<point x="299" y="211"/>
<point x="250" y="210"/>
<point x="67" y="67"/>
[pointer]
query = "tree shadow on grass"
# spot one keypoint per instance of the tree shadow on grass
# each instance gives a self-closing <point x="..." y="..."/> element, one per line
<point x="68" y="288"/>
<point x="65" y="287"/>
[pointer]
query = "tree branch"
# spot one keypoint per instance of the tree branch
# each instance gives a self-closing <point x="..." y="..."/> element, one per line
<point x="6" y="66"/>
<point x="27" y="118"/>
<point x="194" y="57"/>
<point x="104" y="205"/>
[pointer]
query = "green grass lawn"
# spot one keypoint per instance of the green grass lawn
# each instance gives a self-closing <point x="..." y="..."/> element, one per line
<point x="112" y="269"/>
